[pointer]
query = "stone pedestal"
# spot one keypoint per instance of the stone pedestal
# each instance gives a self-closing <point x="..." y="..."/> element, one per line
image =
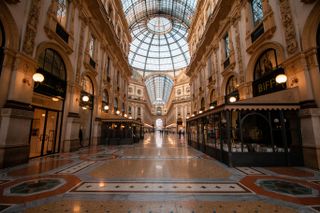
<point x="15" y="125"/>
<point x="310" y="130"/>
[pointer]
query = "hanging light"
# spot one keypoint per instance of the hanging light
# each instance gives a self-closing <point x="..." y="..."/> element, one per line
<point x="125" y="115"/>
<point x="106" y="107"/>
<point x="118" y="112"/>
<point x="200" y="112"/>
<point x="55" y="99"/>
<point x="84" y="108"/>
<point x="130" y="117"/>
<point x="85" y="98"/>
<point x="211" y="107"/>
<point x="38" y="77"/>
<point x="281" y="78"/>
<point x="187" y="117"/>
<point x="232" y="99"/>
<point x="192" y="115"/>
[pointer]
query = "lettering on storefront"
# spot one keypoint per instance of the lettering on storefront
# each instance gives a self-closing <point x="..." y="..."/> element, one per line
<point x="268" y="84"/>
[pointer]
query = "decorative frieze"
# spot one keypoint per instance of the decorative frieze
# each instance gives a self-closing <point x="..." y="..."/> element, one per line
<point x="288" y="26"/>
<point x="31" y="29"/>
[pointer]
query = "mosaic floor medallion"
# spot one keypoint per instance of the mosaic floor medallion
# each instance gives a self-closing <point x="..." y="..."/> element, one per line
<point x="286" y="187"/>
<point x="35" y="186"/>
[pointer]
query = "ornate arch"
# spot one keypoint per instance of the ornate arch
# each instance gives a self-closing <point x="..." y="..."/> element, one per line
<point x="91" y="76"/>
<point x="252" y="62"/>
<point x="225" y="81"/>
<point x="310" y="28"/>
<point x="69" y="68"/>
<point x="10" y="26"/>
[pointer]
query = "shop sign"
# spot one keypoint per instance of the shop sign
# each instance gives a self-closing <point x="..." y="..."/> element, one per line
<point x="268" y="84"/>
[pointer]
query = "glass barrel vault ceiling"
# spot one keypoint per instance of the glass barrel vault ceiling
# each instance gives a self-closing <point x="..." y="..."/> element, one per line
<point x="159" y="88"/>
<point x="159" y="31"/>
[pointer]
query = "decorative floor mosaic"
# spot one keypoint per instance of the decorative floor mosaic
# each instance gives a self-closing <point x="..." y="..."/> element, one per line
<point x="249" y="171"/>
<point x="161" y="187"/>
<point x="76" y="168"/>
<point x="159" y="174"/>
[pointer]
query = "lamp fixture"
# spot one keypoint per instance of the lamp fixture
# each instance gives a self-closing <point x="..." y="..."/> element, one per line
<point x="200" y="112"/>
<point x="192" y="115"/>
<point x="118" y="112"/>
<point x="232" y="99"/>
<point x="85" y="98"/>
<point x="55" y="99"/>
<point x="211" y="107"/>
<point x="187" y="117"/>
<point x="106" y="107"/>
<point x="125" y="115"/>
<point x="84" y="108"/>
<point x="281" y="78"/>
<point x="38" y="77"/>
<point x="130" y="117"/>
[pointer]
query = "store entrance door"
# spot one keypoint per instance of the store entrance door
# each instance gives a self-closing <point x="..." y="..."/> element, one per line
<point x="43" y="139"/>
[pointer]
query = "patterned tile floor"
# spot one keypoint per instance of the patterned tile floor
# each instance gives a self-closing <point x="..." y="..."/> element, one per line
<point x="160" y="174"/>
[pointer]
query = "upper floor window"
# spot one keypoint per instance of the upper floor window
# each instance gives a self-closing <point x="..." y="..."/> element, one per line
<point x="87" y="85"/>
<point x="105" y="97"/>
<point x="62" y="9"/>
<point x="139" y="111"/>
<point x="139" y="92"/>
<point x="266" y="63"/>
<point x="227" y="45"/>
<point x="257" y="12"/>
<point x="108" y="67"/>
<point x="130" y="90"/>
<point x="92" y="42"/>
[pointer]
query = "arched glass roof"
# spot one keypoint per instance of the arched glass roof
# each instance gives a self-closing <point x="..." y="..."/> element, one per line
<point x="159" y="88"/>
<point x="159" y="31"/>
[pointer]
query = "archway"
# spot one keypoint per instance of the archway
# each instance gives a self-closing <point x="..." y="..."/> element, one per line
<point x="48" y="102"/>
<point x="86" y="111"/>
<point x="159" y="124"/>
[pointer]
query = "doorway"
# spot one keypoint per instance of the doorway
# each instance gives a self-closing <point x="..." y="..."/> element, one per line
<point x="43" y="137"/>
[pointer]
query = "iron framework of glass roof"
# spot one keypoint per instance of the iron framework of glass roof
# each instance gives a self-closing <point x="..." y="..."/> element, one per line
<point x="159" y="31"/>
<point x="159" y="89"/>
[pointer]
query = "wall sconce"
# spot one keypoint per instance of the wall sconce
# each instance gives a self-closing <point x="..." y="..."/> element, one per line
<point x="125" y="115"/>
<point x="118" y="112"/>
<point x="38" y="77"/>
<point x="211" y="107"/>
<point x="281" y="78"/>
<point x="55" y="99"/>
<point x="200" y="112"/>
<point x="192" y="115"/>
<point x="84" y="108"/>
<point x="130" y="117"/>
<point x="85" y="98"/>
<point x="232" y="99"/>
<point x="106" y="107"/>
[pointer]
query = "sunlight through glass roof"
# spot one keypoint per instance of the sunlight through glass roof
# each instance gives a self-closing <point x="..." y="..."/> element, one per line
<point x="159" y="31"/>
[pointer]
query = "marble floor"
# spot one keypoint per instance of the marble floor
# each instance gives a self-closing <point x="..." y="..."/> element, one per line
<point x="160" y="174"/>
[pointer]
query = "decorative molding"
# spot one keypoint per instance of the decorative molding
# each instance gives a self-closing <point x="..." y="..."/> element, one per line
<point x="31" y="29"/>
<point x="80" y="51"/>
<point x="288" y="26"/>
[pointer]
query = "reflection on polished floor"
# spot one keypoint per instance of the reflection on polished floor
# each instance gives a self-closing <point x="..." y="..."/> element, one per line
<point x="160" y="174"/>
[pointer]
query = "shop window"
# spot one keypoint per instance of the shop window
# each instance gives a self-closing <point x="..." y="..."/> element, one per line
<point x="2" y="45"/>
<point x="257" y="12"/>
<point x="62" y="12"/>
<point x="266" y="63"/>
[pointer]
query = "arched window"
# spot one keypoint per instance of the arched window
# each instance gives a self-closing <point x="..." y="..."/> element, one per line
<point x="51" y="62"/>
<point x="87" y="85"/>
<point x="105" y="96"/>
<point x="129" y="109"/>
<point x="92" y="46"/>
<point x="257" y="12"/>
<point x="266" y="63"/>
<point x="231" y="85"/>
<point x="139" y="111"/>
<point x="62" y="12"/>
<point x="52" y="66"/>
<point x="202" y="104"/>
<point x="2" y="45"/>
<point x="115" y="104"/>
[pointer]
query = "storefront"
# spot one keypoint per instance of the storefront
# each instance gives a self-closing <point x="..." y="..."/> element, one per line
<point x="120" y="131"/>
